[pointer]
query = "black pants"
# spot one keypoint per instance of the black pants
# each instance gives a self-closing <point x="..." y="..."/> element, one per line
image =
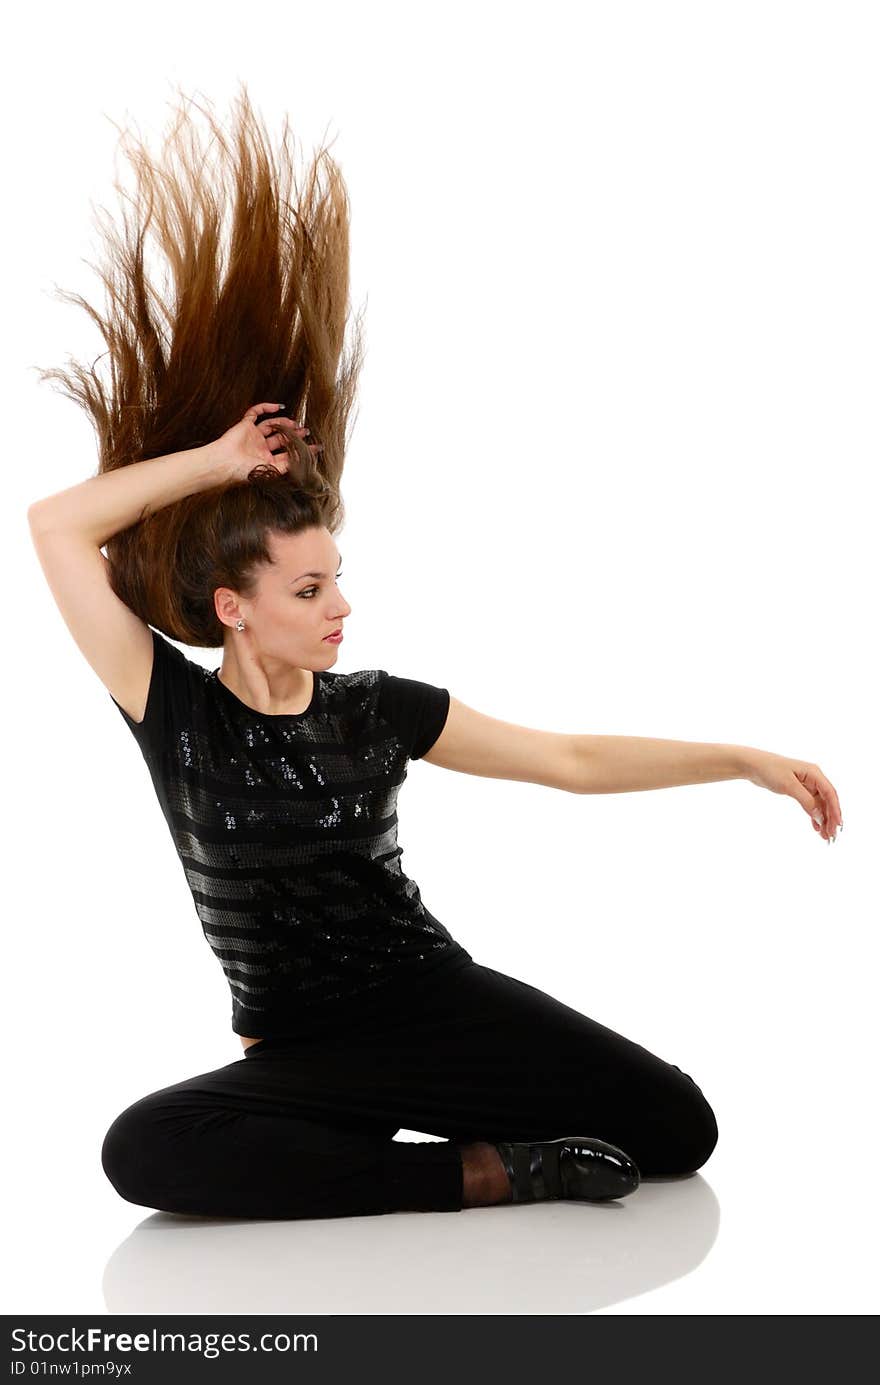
<point x="303" y="1127"/>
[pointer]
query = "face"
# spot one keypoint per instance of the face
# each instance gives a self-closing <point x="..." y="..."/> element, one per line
<point x="297" y="602"/>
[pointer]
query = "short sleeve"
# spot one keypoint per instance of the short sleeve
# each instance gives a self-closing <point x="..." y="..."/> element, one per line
<point x="416" y="711"/>
<point x="168" y="697"/>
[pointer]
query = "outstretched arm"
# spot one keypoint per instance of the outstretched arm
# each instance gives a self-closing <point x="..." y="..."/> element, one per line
<point x="620" y="764"/>
<point x="473" y="743"/>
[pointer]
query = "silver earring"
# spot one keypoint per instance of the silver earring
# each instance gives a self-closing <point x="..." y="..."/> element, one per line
<point x="239" y="624"/>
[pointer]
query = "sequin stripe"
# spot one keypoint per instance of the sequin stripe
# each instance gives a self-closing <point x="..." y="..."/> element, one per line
<point x="257" y="827"/>
<point x="322" y="877"/>
<point x="368" y="887"/>
<point x="247" y="968"/>
<point x="246" y="986"/>
<point x="193" y="803"/>
<point x="271" y="930"/>
<point x="293" y="911"/>
<point x="342" y="906"/>
<point x="335" y="826"/>
<point x="203" y="756"/>
<point x="241" y="853"/>
<point x="329" y="869"/>
<point x="257" y="947"/>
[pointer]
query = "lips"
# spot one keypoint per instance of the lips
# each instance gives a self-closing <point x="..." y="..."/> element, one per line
<point x="332" y="633"/>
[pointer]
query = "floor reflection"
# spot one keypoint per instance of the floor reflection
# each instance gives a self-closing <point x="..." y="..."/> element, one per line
<point x="533" y="1258"/>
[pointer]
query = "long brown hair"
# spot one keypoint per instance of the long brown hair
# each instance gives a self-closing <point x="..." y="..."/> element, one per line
<point x="257" y="310"/>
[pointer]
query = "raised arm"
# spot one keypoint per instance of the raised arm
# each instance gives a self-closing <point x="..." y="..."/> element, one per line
<point x="69" y="528"/>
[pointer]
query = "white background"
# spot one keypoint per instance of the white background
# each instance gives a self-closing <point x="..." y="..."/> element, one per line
<point x="611" y="473"/>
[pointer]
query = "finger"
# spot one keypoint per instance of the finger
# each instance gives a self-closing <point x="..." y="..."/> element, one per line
<point x="818" y="814"/>
<point x="829" y="821"/>
<point x="804" y="792"/>
<point x="830" y="818"/>
<point x="289" y="423"/>
<point x="828" y="800"/>
<point x="825" y="799"/>
<point x="829" y="794"/>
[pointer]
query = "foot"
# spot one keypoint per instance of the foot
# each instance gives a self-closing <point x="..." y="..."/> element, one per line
<point x="577" y="1168"/>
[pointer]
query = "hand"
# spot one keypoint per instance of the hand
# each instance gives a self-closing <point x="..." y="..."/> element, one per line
<point x="802" y="781"/>
<point x="248" y="444"/>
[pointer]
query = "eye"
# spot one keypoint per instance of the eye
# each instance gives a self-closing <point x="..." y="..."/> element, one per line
<point x="309" y="592"/>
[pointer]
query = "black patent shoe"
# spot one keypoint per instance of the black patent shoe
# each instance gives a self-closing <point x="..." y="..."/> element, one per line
<point x="576" y="1168"/>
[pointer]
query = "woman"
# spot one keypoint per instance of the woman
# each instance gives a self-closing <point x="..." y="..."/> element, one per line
<point x="358" y="1012"/>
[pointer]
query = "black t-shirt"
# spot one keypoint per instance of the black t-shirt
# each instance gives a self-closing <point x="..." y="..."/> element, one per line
<point x="286" y="827"/>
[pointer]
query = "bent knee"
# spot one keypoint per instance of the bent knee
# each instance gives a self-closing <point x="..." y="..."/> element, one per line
<point x="703" y="1132"/>
<point x="681" y="1131"/>
<point x="696" y="1128"/>
<point x="125" y="1153"/>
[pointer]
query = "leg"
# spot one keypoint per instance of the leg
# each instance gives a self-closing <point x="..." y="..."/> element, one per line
<point x="303" y="1128"/>
<point x="487" y="1057"/>
<point x="241" y="1141"/>
<point x="484" y="1178"/>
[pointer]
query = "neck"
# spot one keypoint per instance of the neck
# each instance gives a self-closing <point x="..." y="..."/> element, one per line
<point x="265" y="684"/>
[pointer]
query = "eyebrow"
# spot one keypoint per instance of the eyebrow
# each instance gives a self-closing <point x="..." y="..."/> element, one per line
<point x="314" y="574"/>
